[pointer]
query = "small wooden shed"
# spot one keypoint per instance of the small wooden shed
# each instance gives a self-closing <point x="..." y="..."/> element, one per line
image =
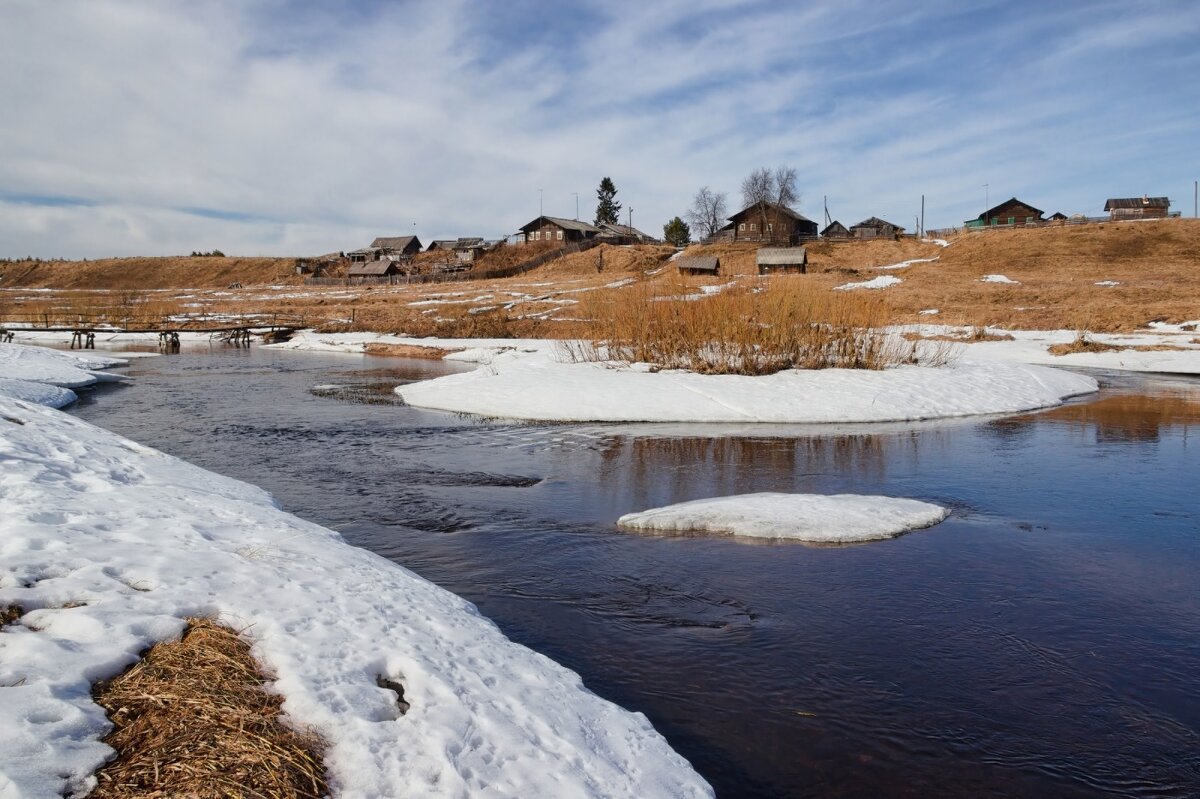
<point x="782" y="259"/>
<point x="374" y="269"/>
<point x="699" y="265"/>
<point x="835" y="230"/>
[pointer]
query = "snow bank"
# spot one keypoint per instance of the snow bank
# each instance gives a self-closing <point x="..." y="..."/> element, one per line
<point x="908" y="263"/>
<point x="881" y="282"/>
<point x="40" y="393"/>
<point x="108" y="545"/>
<point x="1032" y="347"/>
<point x="998" y="279"/>
<point x="540" y="386"/>
<point x="42" y="365"/>
<point x="814" y="518"/>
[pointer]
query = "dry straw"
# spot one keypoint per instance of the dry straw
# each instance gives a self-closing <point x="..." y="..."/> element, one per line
<point x="192" y="719"/>
<point x="753" y="327"/>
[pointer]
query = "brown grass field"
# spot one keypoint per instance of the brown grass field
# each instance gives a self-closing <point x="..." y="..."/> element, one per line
<point x="1156" y="265"/>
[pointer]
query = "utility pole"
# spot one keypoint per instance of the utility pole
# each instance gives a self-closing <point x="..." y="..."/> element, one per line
<point x="1196" y="199"/>
<point x="576" y="205"/>
<point x="825" y="202"/>
<point x="631" y="220"/>
<point x="541" y="211"/>
<point x="986" y="205"/>
<point x="921" y="227"/>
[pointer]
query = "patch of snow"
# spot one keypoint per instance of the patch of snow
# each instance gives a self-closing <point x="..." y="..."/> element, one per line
<point x="1108" y="283"/>
<point x="42" y="365"/>
<point x="998" y="279"/>
<point x="110" y="545"/>
<point x="813" y="518"/>
<point x="881" y="282"/>
<point x="40" y="393"/>
<point x="541" y="386"/>
<point x="908" y="263"/>
<point x="929" y="312"/>
<point x="938" y="242"/>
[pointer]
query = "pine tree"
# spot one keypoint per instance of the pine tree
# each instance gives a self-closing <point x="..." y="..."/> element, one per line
<point x="677" y="233"/>
<point x="608" y="210"/>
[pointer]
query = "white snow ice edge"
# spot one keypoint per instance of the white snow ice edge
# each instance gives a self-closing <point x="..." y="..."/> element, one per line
<point x="542" y="386"/>
<point x="45" y="376"/>
<point x="811" y="518"/>
<point x="999" y="279"/>
<point x="143" y="540"/>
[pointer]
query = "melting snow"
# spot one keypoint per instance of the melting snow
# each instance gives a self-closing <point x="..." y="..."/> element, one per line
<point x="881" y="282"/>
<point x="998" y="279"/>
<point x="814" y="518"/>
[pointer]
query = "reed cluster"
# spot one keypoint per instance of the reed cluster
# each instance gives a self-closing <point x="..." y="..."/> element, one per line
<point x="751" y="327"/>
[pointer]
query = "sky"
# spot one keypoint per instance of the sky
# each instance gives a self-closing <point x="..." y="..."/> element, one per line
<point x="297" y="127"/>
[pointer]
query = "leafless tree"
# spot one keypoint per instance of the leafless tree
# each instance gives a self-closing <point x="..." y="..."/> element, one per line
<point x="763" y="188"/>
<point x="708" y="212"/>
<point x="785" y="186"/>
<point x="758" y="187"/>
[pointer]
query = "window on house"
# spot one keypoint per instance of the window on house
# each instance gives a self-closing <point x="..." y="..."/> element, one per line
<point x="770" y="227"/>
<point x="560" y="235"/>
<point x="742" y="226"/>
<point x="1012" y="220"/>
<point x="1029" y="220"/>
<point x="753" y="225"/>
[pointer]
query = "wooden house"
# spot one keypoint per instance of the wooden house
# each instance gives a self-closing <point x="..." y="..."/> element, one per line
<point x="835" y="230"/>
<point x="387" y="248"/>
<point x="369" y="269"/>
<point x="875" y="228"/>
<point x="1138" y="208"/>
<point x="441" y="245"/>
<point x="562" y="231"/>
<point x="1057" y="216"/>
<point x="699" y="265"/>
<point x="612" y="233"/>
<point x="769" y="222"/>
<point x="781" y="259"/>
<point x="1011" y="212"/>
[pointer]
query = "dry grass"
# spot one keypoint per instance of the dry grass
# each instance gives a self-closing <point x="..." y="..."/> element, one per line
<point x="754" y="328"/>
<point x="407" y="351"/>
<point x="151" y="273"/>
<point x="192" y="719"/>
<point x="9" y="614"/>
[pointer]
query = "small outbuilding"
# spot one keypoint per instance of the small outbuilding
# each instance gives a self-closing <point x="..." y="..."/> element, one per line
<point x="698" y="265"/>
<point x="374" y="269"/>
<point x="1137" y="207"/>
<point x="835" y="230"/>
<point x="1057" y="216"/>
<point x="875" y="228"/>
<point x="782" y="259"/>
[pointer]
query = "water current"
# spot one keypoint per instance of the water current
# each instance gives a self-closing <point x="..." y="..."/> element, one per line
<point x="1042" y="641"/>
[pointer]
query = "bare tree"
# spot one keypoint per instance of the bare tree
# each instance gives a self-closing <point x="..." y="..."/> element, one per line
<point x="708" y="212"/>
<point x="785" y="186"/>
<point x="758" y="187"/>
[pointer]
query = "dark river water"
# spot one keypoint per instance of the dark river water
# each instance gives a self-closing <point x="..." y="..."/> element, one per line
<point x="1042" y="641"/>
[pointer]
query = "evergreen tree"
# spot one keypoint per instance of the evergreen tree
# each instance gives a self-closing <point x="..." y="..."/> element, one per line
<point x="677" y="233"/>
<point x="607" y="208"/>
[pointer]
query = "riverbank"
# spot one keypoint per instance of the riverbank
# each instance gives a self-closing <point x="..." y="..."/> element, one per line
<point x="109" y="545"/>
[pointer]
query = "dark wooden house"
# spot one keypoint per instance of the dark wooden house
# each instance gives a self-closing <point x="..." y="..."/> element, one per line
<point x="562" y="231"/>
<point x="403" y="246"/>
<point x="835" y="230"/>
<point x="781" y="259"/>
<point x="698" y="265"/>
<point x="1011" y="212"/>
<point x="612" y="233"/>
<point x="371" y="269"/>
<point x="769" y="222"/>
<point x="875" y="228"/>
<point x="1057" y="216"/>
<point x="1138" y="208"/>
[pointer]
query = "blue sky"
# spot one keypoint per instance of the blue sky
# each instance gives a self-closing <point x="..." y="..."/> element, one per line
<point x="288" y="127"/>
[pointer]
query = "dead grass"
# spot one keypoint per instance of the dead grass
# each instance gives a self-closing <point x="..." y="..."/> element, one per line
<point x="151" y="273"/>
<point x="192" y="719"/>
<point x="755" y="328"/>
<point x="9" y="614"/>
<point x="407" y="351"/>
<point x="1081" y="343"/>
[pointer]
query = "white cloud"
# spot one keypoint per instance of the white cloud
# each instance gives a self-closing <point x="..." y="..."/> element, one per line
<point x="317" y="128"/>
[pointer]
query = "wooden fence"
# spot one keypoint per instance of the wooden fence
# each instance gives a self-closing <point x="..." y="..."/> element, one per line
<point x="455" y="277"/>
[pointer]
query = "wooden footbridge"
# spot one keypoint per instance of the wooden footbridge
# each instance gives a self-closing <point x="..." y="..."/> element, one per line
<point x="234" y="330"/>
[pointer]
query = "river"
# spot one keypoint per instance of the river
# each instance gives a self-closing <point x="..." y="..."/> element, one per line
<point x="1042" y="641"/>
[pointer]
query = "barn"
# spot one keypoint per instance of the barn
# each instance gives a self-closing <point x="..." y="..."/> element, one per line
<point x="699" y="265"/>
<point x="1137" y="208"/>
<point x="875" y="228"/>
<point x="1010" y="212"/>
<point x="835" y="230"/>
<point x="782" y="259"/>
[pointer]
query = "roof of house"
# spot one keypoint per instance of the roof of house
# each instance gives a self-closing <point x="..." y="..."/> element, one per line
<point x="468" y="243"/>
<point x="440" y="244"/>
<point x="623" y="230"/>
<point x="999" y="209"/>
<point x="874" y="221"/>
<point x="371" y="268"/>
<point x="565" y="224"/>
<point x="1057" y="215"/>
<point x="781" y="256"/>
<point x="698" y="263"/>
<point x="833" y="226"/>
<point x="776" y="206"/>
<point x="395" y="242"/>
<point x="1136" y="202"/>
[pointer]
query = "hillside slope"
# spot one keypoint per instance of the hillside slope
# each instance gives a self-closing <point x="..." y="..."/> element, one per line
<point x="148" y="273"/>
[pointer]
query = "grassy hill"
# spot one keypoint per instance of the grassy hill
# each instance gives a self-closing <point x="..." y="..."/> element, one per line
<point x="148" y="273"/>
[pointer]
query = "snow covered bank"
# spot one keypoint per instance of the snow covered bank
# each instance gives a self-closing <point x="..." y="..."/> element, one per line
<point x="540" y="386"/>
<point x="812" y="518"/>
<point x="45" y="376"/>
<point x="881" y="282"/>
<point x="107" y="545"/>
<point x="1169" y="349"/>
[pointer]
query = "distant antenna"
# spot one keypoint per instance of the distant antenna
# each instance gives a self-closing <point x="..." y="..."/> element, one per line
<point x="825" y="202"/>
